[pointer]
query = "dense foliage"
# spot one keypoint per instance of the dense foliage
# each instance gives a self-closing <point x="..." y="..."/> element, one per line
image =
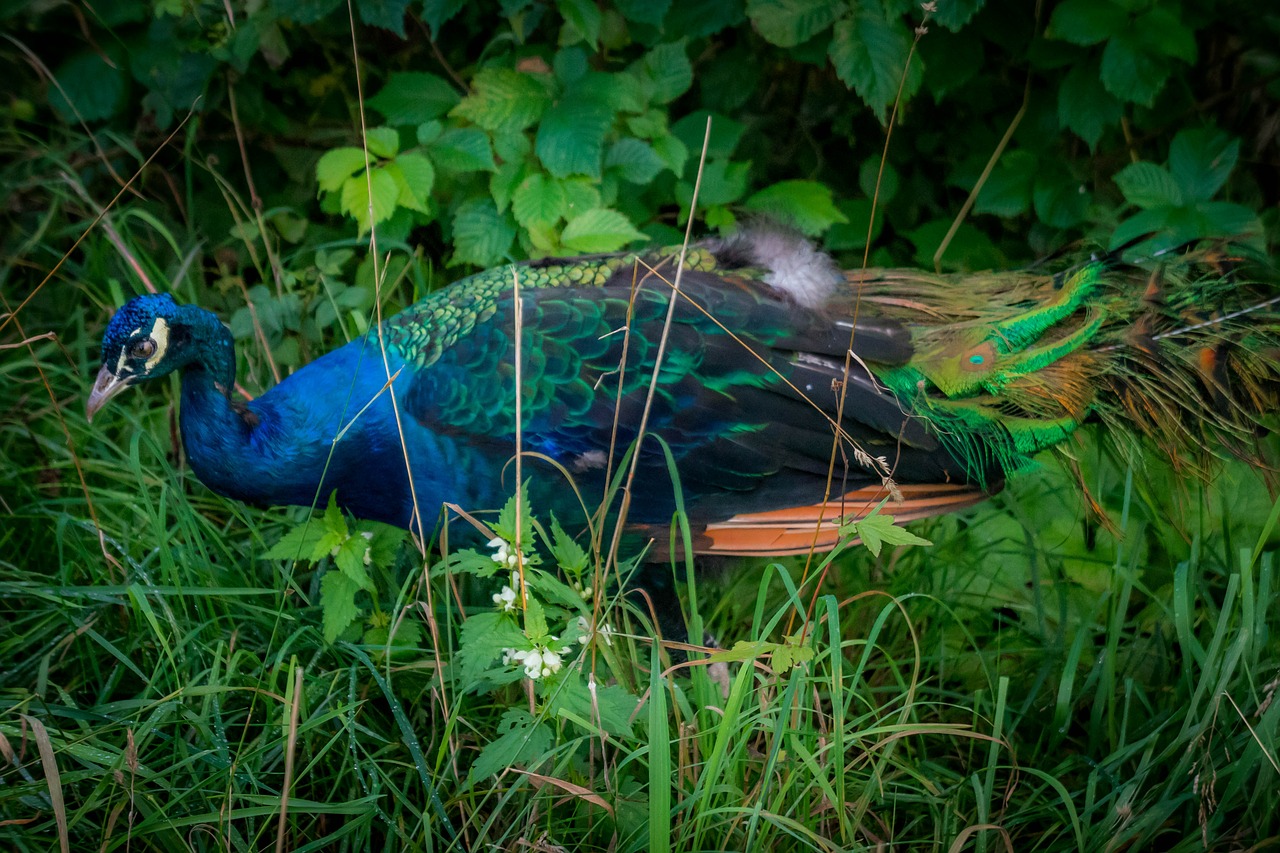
<point x="1042" y="676"/>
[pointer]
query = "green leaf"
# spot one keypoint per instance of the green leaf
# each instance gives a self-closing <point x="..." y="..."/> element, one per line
<point x="1059" y="200"/>
<point x="673" y="152"/>
<point x="522" y="740"/>
<point x="505" y="526"/>
<point x="338" y="164"/>
<point x="1148" y="185"/>
<point x="599" y="230"/>
<point x="969" y="249"/>
<point x="876" y="530"/>
<point x="1130" y="72"/>
<point x="790" y="653"/>
<point x="337" y="604"/>
<point x="503" y="182"/>
<point x="350" y="561"/>
<point x="1201" y="160"/>
<point x="436" y="13"/>
<point x="410" y="98"/>
<point x="1007" y="191"/>
<point x="481" y="235"/>
<point x="298" y="543"/>
<point x="1143" y="223"/>
<point x="723" y="182"/>
<point x="566" y="552"/>
<point x="869" y="55"/>
<point x="580" y="194"/>
<point x="725" y="134"/>
<point x="463" y="149"/>
<point x="387" y="14"/>
<point x="95" y="89"/>
<point x="382" y="141"/>
<point x="503" y="100"/>
<point x="613" y="705"/>
<point x="666" y="72"/>
<point x="539" y="201"/>
<point x="1086" y="22"/>
<point x="385" y="542"/>
<point x="584" y="16"/>
<point x="1162" y="32"/>
<point x="954" y="14"/>
<point x="643" y="11"/>
<point x="1224" y="219"/>
<point x="1085" y="107"/>
<point x="414" y="177"/>
<point x="481" y="642"/>
<point x="570" y="139"/>
<point x="787" y="23"/>
<point x="743" y="650"/>
<point x="635" y="160"/>
<point x="805" y="204"/>
<point x="356" y="198"/>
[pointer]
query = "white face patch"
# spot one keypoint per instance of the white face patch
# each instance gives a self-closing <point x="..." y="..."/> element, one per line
<point x="587" y="461"/>
<point x="124" y="352"/>
<point x="159" y="334"/>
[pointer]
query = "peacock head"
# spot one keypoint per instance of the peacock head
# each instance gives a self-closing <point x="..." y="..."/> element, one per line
<point x="149" y="337"/>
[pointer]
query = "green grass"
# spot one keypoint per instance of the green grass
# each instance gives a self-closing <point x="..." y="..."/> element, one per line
<point x="1032" y="681"/>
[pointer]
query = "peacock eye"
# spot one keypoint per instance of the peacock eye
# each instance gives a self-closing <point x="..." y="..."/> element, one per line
<point x="142" y="349"/>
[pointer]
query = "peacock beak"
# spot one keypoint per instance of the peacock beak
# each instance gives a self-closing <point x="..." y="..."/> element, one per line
<point x="105" y="387"/>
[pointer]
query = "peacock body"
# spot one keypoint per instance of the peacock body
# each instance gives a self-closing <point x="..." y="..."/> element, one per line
<point x="937" y="386"/>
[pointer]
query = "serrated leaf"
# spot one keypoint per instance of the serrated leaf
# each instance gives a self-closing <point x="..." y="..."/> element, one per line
<point x="567" y="553"/>
<point x="954" y="14"/>
<point x="503" y="182"/>
<point x="1085" y="107"/>
<point x="1224" y="219"/>
<point x="635" y="160"/>
<point x="585" y="18"/>
<point x="673" y="152"/>
<point x="505" y="526"/>
<point x="1130" y="72"/>
<point x="463" y="149"/>
<point x="94" y="84"/>
<point x="414" y="177"/>
<point x="382" y="141"/>
<point x="1201" y="160"/>
<point x="503" y="100"/>
<point x="787" y="23"/>
<point x="387" y="14"/>
<point x="338" y="164"/>
<point x="807" y="205"/>
<point x="580" y="194"/>
<point x="481" y="643"/>
<point x="535" y="621"/>
<point x="522" y="740"/>
<point x="350" y="561"/>
<point x="723" y="182"/>
<point x="876" y="530"/>
<point x="436" y="13"/>
<point x="599" y="230"/>
<point x="869" y="55"/>
<point x="665" y="72"/>
<point x="1007" y="191"/>
<point x="410" y="98"/>
<point x="299" y="543"/>
<point x="743" y="650"/>
<point x="539" y="201"/>
<point x="1059" y="201"/>
<point x="481" y="235"/>
<point x="570" y="139"/>
<point x="643" y="11"/>
<point x="337" y="604"/>
<point x="1148" y="185"/>
<point x="386" y="539"/>
<point x="1143" y="223"/>
<point x="370" y="198"/>
<point x="1086" y="22"/>
<point x="1161" y="31"/>
<point x="615" y="706"/>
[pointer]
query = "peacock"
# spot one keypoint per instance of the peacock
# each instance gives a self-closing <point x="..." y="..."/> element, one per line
<point x="787" y="395"/>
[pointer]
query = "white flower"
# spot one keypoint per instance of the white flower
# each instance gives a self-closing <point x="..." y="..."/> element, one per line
<point x="585" y="633"/>
<point x="505" y="599"/>
<point x="538" y="663"/>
